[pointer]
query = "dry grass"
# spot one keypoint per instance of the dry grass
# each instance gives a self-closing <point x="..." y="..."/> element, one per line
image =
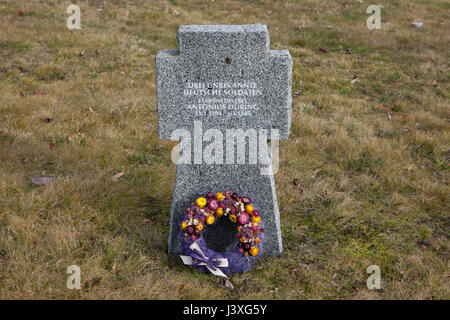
<point x="370" y="190"/>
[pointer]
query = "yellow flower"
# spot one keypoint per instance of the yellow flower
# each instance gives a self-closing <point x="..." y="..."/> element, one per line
<point x="254" y="251"/>
<point x="201" y="202"/>
<point x="183" y="225"/>
<point x="233" y="217"/>
<point x="219" y="196"/>
<point x="256" y="219"/>
<point x="249" y="208"/>
<point x="210" y="219"/>
<point x="199" y="227"/>
<point x="219" y="212"/>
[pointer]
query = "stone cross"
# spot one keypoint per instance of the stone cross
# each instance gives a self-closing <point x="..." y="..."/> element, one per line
<point x="224" y="94"/>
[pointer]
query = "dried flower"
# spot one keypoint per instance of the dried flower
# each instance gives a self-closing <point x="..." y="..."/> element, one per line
<point x="244" y="218"/>
<point x="213" y="204"/>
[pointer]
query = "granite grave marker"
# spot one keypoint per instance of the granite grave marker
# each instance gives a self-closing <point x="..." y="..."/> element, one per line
<point x="216" y="91"/>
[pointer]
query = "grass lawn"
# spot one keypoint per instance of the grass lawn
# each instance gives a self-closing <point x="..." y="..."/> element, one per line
<point x="363" y="177"/>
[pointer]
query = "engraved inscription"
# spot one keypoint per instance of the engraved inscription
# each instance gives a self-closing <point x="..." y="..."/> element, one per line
<point x="228" y="99"/>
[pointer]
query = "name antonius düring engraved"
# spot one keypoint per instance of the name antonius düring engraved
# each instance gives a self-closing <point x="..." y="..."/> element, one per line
<point x="222" y="98"/>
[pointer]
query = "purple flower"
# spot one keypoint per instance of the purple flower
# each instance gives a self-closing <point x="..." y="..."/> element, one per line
<point x="246" y="200"/>
<point x="190" y="229"/>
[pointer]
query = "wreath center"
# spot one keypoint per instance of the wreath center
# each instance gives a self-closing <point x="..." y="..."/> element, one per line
<point x="221" y="236"/>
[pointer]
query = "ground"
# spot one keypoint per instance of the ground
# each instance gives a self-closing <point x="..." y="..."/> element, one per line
<point x="363" y="177"/>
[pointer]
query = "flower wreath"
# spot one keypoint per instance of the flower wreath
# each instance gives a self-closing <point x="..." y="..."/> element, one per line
<point x="206" y="211"/>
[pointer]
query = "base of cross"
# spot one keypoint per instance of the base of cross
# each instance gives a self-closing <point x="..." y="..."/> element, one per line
<point x="193" y="181"/>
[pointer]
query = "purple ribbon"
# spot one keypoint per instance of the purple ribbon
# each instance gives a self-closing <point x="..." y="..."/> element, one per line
<point x="198" y="258"/>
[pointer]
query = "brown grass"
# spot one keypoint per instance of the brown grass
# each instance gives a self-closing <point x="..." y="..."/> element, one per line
<point x="370" y="190"/>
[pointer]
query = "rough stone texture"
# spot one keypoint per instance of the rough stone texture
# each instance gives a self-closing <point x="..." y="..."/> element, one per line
<point x="231" y="55"/>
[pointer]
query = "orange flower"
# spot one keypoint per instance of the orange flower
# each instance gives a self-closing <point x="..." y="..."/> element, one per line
<point x="210" y="219"/>
<point x="254" y="251"/>
<point x="219" y="196"/>
<point x="199" y="227"/>
<point x="256" y="219"/>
